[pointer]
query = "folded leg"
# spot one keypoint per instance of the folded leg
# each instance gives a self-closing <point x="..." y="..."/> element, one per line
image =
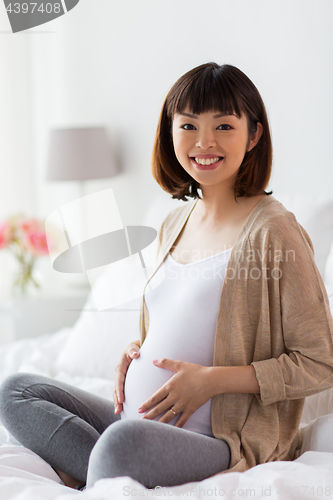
<point x="55" y="420"/>
<point x="156" y="454"/>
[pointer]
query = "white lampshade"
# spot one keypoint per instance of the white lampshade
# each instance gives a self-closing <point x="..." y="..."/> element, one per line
<point x="78" y="154"/>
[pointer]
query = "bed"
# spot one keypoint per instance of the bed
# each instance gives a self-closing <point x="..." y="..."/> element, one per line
<point x="85" y="355"/>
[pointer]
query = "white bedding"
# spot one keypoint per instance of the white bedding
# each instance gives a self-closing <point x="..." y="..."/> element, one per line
<point x="25" y="476"/>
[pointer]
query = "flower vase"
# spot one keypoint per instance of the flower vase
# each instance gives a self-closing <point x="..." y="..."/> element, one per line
<point x="25" y="280"/>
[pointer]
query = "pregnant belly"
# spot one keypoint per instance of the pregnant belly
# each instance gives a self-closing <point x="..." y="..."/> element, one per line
<point x="143" y="379"/>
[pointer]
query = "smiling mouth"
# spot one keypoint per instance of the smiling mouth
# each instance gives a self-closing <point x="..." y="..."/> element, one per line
<point x="206" y="162"/>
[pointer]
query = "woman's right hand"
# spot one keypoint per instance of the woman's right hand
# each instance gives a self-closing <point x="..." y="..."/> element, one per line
<point x="131" y="352"/>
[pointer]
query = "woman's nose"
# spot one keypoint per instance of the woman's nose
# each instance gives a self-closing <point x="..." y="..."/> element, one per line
<point x="206" y="139"/>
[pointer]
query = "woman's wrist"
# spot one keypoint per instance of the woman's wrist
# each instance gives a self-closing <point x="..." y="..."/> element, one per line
<point x="232" y="380"/>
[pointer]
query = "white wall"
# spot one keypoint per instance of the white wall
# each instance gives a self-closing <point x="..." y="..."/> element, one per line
<point x="15" y="122"/>
<point x="17" y="176"/>
<point x="112" y="62"/>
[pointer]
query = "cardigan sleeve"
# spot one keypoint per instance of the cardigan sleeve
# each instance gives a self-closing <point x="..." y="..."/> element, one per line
<point x="305" y="365"/>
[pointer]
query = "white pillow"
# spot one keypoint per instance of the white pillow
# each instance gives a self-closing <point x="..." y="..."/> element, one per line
<point x="97" y="340"/>
<point x="315" y="214"/>
<point x="317" y="435"/>
<point x="96" y="343"/>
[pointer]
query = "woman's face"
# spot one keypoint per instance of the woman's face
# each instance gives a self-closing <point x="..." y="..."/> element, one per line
<point x="211" y="146"/>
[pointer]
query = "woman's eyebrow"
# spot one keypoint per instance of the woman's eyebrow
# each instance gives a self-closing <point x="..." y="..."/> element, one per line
<point x="190" y="115"/>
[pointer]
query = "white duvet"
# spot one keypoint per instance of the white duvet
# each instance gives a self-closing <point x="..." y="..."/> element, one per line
<point x="25" y="476"/>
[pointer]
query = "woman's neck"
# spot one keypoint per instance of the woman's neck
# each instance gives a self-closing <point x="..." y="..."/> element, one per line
<point x="220" y="206"/>
<point x="217" y="205"/>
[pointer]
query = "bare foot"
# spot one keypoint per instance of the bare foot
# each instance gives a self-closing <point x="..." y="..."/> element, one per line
<point x="68" y="480"/>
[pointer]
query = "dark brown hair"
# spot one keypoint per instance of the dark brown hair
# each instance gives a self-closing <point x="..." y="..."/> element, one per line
<point x="225" y="89"/>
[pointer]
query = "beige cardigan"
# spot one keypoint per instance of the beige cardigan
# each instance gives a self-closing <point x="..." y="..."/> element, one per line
<point x="273" y="314"/>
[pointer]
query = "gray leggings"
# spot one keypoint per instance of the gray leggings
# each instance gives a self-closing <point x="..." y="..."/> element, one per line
<point x="71" y="430"/>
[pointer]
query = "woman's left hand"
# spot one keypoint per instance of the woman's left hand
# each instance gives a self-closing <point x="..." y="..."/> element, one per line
<point x="184" y="392"/>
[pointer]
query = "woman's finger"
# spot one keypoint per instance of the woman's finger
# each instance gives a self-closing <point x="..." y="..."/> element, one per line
<point x="135" y="353"/>
<point x="115" y="398"/>
<point x="158" y="397"/>
<point x="157" y="411"/>
<point x="182" y="420"/>
<point x="170" y="415"/>
<point x="131" y="352"/>
<point x="118" y="408"/>
<point x="120" y="373"/>
<point x="168" y="364"/>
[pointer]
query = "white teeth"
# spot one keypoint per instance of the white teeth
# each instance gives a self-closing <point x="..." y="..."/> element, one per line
<point x="208" y="161"/>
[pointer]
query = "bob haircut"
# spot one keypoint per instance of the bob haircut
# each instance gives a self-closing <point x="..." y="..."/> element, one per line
<point x="224" y="89"/>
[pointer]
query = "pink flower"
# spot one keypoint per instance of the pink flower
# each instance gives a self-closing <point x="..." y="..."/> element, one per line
<point x="24" y="236"/>
<point x="36" y="242"/>
<point x="28" y="225"/>
<point x="34" y="236"/>
<point x="5" y="234"/>
<point x="26" y="239"/>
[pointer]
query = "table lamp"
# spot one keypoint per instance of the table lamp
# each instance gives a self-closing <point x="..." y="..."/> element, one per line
<point x="80" y="154"/>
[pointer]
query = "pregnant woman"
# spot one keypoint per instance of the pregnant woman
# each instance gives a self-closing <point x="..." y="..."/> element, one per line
<point x="235" y="324"/>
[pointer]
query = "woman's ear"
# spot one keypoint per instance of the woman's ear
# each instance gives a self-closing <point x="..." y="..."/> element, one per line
<point x="255" y="137"/>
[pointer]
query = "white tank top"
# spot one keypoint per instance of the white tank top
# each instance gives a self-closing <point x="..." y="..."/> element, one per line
<point x="183" y="312"/>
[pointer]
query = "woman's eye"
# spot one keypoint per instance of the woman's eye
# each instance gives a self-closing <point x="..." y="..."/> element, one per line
<point x="188" y="126"/>
<point x="224" y="127"/>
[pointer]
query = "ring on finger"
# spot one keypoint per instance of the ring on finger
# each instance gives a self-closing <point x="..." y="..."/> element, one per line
<point x="172" y="411"/>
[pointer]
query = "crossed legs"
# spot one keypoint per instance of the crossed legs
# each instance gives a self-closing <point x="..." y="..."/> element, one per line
<point x="78" y="434"/>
